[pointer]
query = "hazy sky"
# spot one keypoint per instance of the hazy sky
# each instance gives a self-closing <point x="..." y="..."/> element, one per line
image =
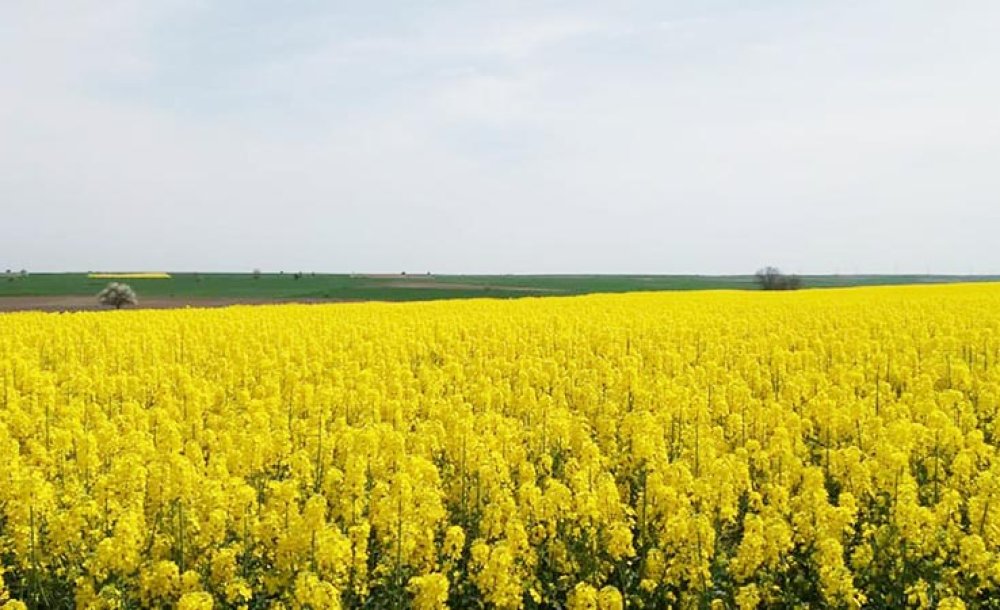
<point x="508" y="137"/>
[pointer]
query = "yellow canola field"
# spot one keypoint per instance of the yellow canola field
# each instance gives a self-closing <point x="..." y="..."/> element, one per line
<point x="129" y="276"/>
<point x="695" y="450"/>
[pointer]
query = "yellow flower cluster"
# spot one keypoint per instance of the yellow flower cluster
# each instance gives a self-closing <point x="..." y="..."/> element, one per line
<point x="693" y="450"/>
<point x="129" y="276"/>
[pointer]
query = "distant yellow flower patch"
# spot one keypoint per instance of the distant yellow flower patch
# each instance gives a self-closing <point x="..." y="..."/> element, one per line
<point x="129" y="276"/>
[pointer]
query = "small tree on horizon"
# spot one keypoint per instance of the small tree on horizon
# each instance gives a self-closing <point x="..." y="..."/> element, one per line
<point x="116" y="295"/>
<point x="771" y="278"/>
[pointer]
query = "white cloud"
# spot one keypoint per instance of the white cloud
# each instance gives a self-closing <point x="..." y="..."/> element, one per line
<point x="500" y="138"/>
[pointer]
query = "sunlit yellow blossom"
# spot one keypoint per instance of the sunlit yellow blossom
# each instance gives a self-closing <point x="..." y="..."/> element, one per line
<point x="609" y="598"/>
<point x="454" y="542"/>
<point x="583" y="597"/>
<point x="195" y="601"/>
<point x="161" y="582"/>
<point x="314" y="594"/>
<point x="430" y="591"/>
<point x="951" y="603"/>
<point x="748" y="597"/>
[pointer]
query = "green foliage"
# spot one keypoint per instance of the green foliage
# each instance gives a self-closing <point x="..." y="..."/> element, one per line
<point x="351" y="287"/>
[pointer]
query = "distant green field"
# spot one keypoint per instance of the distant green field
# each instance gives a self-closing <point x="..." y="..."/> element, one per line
<point x="418" y="287"/>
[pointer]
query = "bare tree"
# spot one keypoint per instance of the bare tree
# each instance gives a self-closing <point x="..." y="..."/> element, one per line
<point x="256" y="274"/>
<point x="116" y="295"/>
<point x="771" y="278"/>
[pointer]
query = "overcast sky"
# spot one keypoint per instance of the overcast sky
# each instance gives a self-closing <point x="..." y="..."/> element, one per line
<point x="500" y="137"/>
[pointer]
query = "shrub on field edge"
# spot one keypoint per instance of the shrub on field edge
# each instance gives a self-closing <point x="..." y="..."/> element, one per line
<point x="117" y="294"/>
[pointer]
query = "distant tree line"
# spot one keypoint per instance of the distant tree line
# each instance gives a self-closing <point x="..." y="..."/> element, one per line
<point x="257" y="273"/>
